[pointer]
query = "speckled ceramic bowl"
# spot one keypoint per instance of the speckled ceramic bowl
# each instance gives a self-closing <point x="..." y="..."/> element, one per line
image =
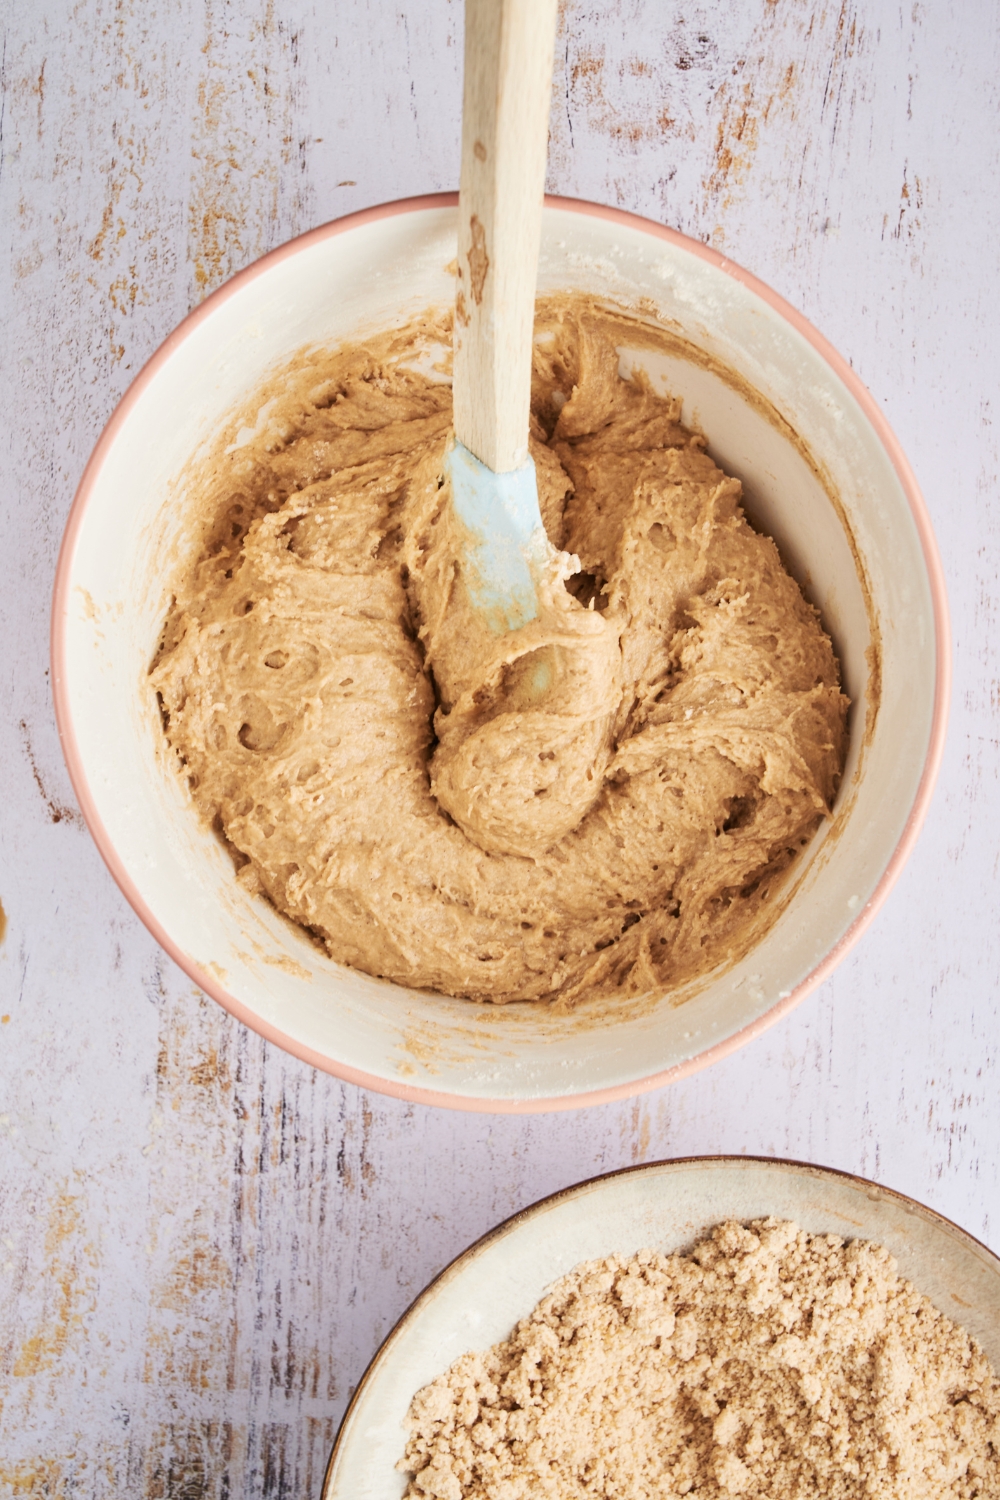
<point x="821" y="472"/>
<point x="664" y="1206"/>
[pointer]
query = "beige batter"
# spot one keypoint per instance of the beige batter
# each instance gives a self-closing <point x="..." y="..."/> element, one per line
<point x="599" y="804"/>
<point x="769" y="1363"/>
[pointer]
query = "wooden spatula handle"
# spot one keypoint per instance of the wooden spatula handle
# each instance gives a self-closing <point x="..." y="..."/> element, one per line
<point x="505" y="114"/>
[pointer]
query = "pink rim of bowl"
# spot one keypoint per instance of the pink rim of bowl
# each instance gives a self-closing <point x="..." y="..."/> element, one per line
<point x="206" y="981"/>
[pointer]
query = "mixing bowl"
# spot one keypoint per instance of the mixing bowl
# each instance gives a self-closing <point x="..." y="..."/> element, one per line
<point x="822" y="474"/>
<point x="665" y="1206"/>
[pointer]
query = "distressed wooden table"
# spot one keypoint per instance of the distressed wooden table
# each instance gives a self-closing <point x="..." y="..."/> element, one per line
<point x="202" y="1240"/>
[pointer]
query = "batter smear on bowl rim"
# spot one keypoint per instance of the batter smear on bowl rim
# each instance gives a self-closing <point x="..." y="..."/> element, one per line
<point x="408" y="785"/>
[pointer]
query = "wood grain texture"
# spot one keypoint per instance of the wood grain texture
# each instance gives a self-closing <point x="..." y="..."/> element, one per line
<point x="201" y="1240"/>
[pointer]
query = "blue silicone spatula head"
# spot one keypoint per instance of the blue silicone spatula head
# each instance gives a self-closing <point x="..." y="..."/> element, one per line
<point x="505" y="538"/>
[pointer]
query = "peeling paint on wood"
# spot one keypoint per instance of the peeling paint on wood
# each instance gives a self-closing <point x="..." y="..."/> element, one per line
<point x="202" y="1241"/>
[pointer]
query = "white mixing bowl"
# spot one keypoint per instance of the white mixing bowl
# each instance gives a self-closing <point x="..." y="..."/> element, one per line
<point x="822" y="474"/>
<point x="666" y="1206"/>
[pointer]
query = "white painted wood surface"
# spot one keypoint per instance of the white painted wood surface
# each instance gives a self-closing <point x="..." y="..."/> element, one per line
<point x="201" y="1240"/>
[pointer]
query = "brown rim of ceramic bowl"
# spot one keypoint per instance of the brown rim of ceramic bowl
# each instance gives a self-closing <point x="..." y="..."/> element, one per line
<point x="911" y="1204"/>
<point x="211" y="985"/>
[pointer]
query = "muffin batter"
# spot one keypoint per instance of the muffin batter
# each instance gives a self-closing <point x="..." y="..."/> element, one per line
<point x="340" y="722"/>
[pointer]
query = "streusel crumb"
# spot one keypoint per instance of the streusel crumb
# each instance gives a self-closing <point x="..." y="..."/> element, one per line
<point x="767" y="1363"/>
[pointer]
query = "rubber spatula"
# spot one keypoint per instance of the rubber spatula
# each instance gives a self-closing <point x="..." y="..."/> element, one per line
<point x="505" y="113"/>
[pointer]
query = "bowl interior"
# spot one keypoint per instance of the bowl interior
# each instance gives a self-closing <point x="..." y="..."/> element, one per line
<point x="816" y="476"/>
<point x="667" y="1206"/>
